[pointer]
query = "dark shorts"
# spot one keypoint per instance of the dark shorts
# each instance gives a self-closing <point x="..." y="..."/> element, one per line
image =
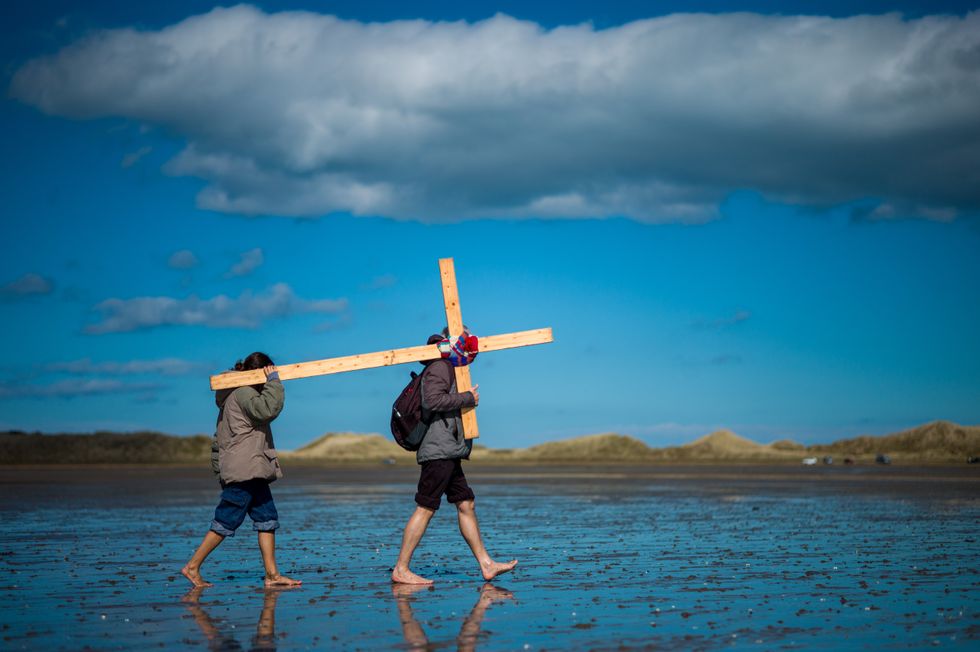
<point x="239" y="499"/>
<point x="442" y="477"/>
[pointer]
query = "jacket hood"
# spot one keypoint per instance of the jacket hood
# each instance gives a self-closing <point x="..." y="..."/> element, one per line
<point x="221" y="395"/>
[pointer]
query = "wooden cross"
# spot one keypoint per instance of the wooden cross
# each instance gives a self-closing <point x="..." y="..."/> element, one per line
<point x="454" y="320"/>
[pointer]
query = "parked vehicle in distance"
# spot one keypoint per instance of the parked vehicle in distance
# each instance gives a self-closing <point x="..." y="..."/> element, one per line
<point x="881" y="458"/>
<point x="809" y="461"/>
<point x="828" y="459"/>
<point x="848" y="460"/>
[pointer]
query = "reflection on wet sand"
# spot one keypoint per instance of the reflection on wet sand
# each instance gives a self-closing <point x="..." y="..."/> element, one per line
<point x="847" y="558"/>
<point x="265" y="630"/>
<point x="471" y="628"/>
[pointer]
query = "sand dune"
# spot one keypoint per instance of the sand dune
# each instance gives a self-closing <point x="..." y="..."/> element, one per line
<point x="102" y="448"/>
<point x="608" y="446"/>
<point x="940" y="441"/>
<point x="787" y="445"/>
<point x="719" y="445"/>
<point x="350" y="447"/>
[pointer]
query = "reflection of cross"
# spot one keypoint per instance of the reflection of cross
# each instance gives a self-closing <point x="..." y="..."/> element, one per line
<point x="454" y="320"/>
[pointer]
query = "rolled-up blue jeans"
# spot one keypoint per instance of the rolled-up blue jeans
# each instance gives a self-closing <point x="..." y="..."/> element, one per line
<point x="251" y="497"/>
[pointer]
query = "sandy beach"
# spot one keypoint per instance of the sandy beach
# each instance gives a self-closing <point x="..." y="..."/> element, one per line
<point x="678" y="557"/>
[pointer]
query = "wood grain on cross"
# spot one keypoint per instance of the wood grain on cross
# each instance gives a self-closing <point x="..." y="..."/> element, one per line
<point x="422" y="353"/>
<point x="454" y="319"/>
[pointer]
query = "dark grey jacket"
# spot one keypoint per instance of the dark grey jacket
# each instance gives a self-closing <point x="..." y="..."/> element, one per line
<point x="444" y="438"/>
<point x="243" y="447"/>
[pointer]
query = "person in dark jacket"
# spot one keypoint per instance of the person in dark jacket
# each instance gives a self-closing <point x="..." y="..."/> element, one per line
<point x="440" y="455"/>
<point x="244" y="458"/>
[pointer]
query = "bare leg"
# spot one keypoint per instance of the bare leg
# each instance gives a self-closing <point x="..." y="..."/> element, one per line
<point x="468" y="527"/>
<point x="414" y="530"/>
<point x="265" y="631"/>
<point x="468" y="633"/>
<point x="267" y="545"/>
<point x="192" y="569"/>
<point x="411" y="629"/>
<point x="193" y="597"/>
<point x="201" y="617"/>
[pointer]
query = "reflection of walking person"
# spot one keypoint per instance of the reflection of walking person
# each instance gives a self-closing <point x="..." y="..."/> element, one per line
<point x="244" y="457"/>
<point x="470" y="630"/>
<point x="440" y="454"/>
<point x="265" y="630"/>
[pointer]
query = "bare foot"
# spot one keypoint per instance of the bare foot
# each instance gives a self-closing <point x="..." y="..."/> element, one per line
<point x="193" y="596"/>
<point x="492" y="593"/>
<point x="194" y="576"/>
<point x="279" y="581"/>
<point x="406" y="591"/>
<point x="406" y="576"/>
<point x="492" y="569"/>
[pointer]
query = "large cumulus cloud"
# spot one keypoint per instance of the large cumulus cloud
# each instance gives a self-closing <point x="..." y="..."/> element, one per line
<point x="304" y="114"/>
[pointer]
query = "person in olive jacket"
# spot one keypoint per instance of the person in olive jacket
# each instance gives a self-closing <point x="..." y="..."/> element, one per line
<point x="243" y="456"/>
<point x="440" y="454"/>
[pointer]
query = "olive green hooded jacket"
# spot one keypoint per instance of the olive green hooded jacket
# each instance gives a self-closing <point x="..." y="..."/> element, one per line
<point x="243" y="448"/>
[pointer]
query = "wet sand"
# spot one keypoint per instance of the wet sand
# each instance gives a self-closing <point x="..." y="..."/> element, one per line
<point x="679" y="557"/>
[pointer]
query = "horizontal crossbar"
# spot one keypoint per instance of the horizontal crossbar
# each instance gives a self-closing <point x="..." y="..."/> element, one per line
<point x="377" y="359"/>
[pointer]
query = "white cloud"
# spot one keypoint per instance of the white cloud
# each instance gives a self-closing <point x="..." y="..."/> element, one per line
<point x="381" y="282"/>
<point x="302" y="114"/>
<point x="27" y="285"/>
<point x="246" y="311"/>
<point x="163" y="366"/>
<point x="341" y="321"/>
<point x="248" y="262"/>
<point x="183" y="259"/>
<point x="73" y="387"/>
<point x="736" y="318"/>
<point x="133" y="158"/>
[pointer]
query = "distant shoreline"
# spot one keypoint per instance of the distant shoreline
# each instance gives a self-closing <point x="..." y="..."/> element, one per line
<point x="728" y="480"/>
<point x="936" y="444"/>
<point x="618" y="465"/>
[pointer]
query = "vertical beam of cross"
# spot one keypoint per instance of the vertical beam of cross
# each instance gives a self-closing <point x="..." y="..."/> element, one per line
<point x="454" y="319"/>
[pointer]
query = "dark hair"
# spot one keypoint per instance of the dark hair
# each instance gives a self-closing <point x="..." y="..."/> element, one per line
<point x="255" y="360"/>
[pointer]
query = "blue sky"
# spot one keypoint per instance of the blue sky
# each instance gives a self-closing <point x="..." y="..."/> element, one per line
<point x="766" y="222"/>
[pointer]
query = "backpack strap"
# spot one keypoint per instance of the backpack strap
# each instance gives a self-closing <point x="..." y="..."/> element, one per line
<point x="427" y="414"/>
